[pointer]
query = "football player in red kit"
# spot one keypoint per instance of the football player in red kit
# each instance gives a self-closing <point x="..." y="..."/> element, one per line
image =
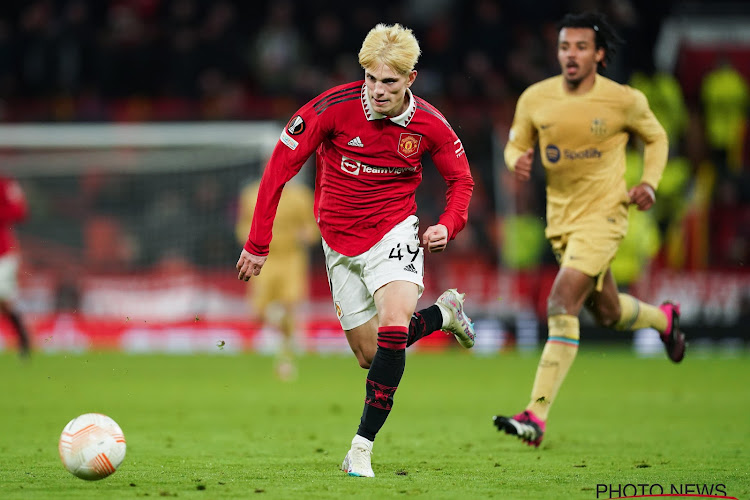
<point x="13" y="209"/>
<point x="369" y="137"/>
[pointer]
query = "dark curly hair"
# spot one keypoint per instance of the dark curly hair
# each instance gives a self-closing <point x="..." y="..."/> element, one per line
<point x="606" y="37"/>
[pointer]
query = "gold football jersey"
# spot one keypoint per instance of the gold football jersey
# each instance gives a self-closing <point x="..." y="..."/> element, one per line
<point x="294" y="227"/>
<point x="582" y="141"/>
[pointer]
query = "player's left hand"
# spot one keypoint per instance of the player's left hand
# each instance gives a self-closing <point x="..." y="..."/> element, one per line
<point x="642" y="195"/>
<point x="435" y="238"/>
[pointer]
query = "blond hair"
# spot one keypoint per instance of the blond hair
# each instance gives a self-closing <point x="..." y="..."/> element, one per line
<point x="392" y="45"/>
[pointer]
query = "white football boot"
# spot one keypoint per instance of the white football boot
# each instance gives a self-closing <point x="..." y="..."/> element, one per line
<point x="358" y="462"/>
<point x="460" y="324"/>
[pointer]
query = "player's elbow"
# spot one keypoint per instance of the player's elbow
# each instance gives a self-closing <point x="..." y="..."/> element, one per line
<point x="660" y="138"/>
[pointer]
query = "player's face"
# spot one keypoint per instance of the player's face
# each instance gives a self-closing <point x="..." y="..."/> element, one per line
<point x="578" y="55"/>
<point x="387" y="89"/>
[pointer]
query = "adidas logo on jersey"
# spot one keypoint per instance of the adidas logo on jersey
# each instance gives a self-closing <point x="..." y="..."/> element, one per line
<point x="356" y="142"/>
<point x="411" y="268"/>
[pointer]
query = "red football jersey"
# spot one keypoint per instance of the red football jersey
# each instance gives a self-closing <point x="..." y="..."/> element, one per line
<point x="13" y="209"/>
<point x="368" y="168"/>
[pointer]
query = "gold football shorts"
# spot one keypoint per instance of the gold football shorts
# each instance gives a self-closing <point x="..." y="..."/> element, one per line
<point x="283" y="280"/>
<point x="588" y="251"/>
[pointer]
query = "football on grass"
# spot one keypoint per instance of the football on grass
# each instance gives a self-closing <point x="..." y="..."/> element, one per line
<point x="92" y="446"/>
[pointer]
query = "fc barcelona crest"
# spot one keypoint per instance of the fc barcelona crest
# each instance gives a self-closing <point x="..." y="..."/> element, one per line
<point x="598" y="127"/>
<point x="408" y="144"/>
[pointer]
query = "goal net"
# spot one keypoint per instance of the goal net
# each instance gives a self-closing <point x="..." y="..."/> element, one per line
<point x="133" y="225"/>
<point x="130" y="198"/>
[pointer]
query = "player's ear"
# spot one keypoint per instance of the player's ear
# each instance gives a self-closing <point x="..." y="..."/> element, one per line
<point x="411" y="77"/>
<point x="599" y="56"/>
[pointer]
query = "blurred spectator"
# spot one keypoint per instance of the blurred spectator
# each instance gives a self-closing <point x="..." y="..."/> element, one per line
<point x="182" y="64"/>
<point x="642" y="241"/>
<point x="35" y="49"/>
<point x="214" y="243"/>
<point x="522" y="241"/>
<point x="68" y="292"/>
<point x="107" y="244"/>
<point x="7" y="59"/>
<point x="725" y="97"/>
<point x="128" y="63"/>
<point x="165" y="236"/>
<point x="729" y="223"/>
<point x="276" y="51"/>
<point x="666" y="100"/>
<point x="75" y="48"/>
<point x="671" y="194"/>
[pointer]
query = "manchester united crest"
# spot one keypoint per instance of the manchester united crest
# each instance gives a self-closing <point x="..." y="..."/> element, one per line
<point x="408" y="144"/>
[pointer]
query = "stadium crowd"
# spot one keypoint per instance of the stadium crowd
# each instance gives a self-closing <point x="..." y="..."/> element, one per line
<point x="175" y="60"/>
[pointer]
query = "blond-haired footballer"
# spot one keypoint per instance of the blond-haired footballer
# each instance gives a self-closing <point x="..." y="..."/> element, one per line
<point x="369" y="137"/>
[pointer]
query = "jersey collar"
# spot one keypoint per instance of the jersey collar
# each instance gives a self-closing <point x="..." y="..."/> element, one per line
<point x="403" y="119"/>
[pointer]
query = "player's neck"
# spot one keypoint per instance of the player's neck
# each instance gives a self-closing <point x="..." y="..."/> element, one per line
<point x="404" y="106"/>
<point x="580" y="87"/>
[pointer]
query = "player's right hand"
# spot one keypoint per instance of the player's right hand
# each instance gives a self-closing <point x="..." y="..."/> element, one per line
<point x="435" y="238"/>
<point x="642" y="195"/>
<point x="523" y="165"/>
<point x="249" y="265"/>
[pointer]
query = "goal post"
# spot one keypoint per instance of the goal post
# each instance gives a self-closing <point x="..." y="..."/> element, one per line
<point x="30" y="150"/>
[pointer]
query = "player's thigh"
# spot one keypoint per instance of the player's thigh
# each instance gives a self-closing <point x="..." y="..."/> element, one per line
<point x="396" y="302"/>
<point x="569" y="292"/>
<point x="353" y="303"/>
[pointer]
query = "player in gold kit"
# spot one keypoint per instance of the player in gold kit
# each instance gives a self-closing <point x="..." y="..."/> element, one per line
<point x="277" y="296"/>
<point x="582" y="122"/>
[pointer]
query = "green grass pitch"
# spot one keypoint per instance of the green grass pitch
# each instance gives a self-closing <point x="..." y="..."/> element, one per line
<point x="222" y="426"/>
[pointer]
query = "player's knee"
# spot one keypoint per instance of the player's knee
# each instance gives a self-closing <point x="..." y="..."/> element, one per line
<point x="607" y="322"/>
<point x="564" y="328"/>
<point x="394" y="317"/>
<point x="607" y="315"/>
<point x="363" y="358"/>
<point x="364" y="363"/>
<point x="555" y="306"/>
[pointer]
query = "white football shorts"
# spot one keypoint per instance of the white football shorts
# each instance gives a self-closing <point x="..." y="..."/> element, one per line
<point x="398" y="256"/>
<point x="9" y="276"/>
